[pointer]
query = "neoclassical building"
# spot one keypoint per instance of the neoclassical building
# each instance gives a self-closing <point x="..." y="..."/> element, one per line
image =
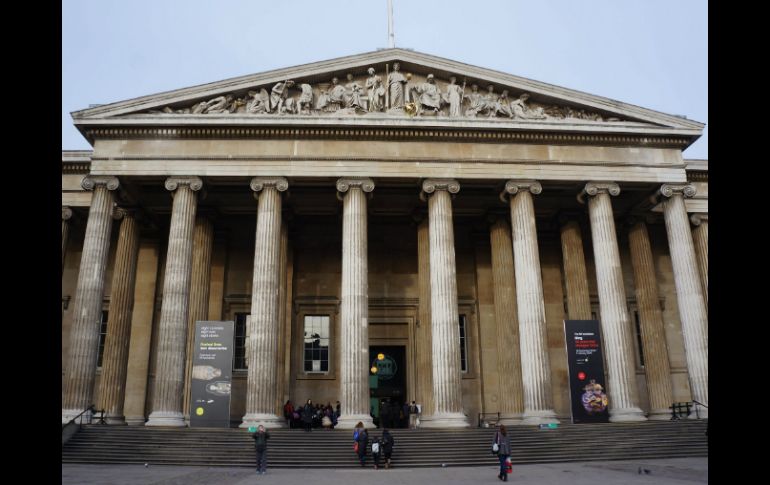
<point x="449" y="216"/>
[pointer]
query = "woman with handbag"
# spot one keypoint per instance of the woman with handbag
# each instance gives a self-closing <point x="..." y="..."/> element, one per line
<point x="502" y="446"/>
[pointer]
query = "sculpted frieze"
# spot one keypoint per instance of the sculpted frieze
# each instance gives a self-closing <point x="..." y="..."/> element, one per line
<point x="388" y="93"/>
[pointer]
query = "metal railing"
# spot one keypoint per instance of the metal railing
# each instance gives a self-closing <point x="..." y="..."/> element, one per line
<point x="680" y="410"/>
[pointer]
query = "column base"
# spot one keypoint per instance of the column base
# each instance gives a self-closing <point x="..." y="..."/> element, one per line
<point x="624" y="415"/>
<point x="446" y="420"/>
<point x="349" y="421"/>
<point x="269" y="421"/>
<point x="512" y="419"/>
<point x="68" y="414"/>
<point x="135" y="420"/>
<point x="112" y="419"/>
<point x="534" y="418"/>
<point x="165" y="418"/>
<point x="703" y="413"/>
<point x="659" y="415"/>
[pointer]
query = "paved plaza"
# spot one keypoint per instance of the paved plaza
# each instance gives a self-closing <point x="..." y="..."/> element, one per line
<point x="659" y="472"/>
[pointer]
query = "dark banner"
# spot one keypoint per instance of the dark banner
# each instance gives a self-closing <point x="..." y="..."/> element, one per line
<point x="211" y="375"/>
<point x="586" y="372"/>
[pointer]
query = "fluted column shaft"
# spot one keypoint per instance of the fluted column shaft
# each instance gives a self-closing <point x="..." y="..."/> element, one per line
<point x="263" y="338"/>
<point x="615" y="325"/>
<point x="354" y="305"/>
<point x="507" y="321"/>
<point x="112" y="386"/>
<point x="700" y="236"/>
<point x="692" y="307"/>
<point x="424" y="340"/>
<point x="575" y="275"/>
<point x="447" y="384"/>
<point x="533" y="339"/>
<point x="200" y="283"/>
<point x="656" y="365"/>
<point x="167" y="399"/>
<point x="66" y="215"/>
<point x="87" y="311"/>
<point x="283" y="342"/>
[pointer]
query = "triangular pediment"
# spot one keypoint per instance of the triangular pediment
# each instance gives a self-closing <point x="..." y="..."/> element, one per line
<point x="420" y="92"/>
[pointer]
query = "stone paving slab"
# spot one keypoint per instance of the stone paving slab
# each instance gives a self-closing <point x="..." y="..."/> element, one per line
<point x="675" y="471"/>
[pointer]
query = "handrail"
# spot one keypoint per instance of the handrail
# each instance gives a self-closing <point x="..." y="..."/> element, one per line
<point x="697" y="402"/>
<point x="91" y="408"/>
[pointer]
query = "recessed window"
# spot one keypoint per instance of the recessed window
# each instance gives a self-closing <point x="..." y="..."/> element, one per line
<point x="316" y="339"/>
<point x="638" y="331"/>
<point x="239" y="356"/>
<point x="463" y="344"/>
<point x="102" y="336"/>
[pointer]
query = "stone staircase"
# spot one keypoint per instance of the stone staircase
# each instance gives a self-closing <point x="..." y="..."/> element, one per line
<point x="413" y="448"/>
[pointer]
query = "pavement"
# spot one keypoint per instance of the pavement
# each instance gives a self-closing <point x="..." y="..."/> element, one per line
<point x="674" y="471"/>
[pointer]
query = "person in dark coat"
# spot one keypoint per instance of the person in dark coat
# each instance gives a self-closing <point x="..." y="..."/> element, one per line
<point x="260" y="444"/>
<point x="503" y="452"/>
<point x="387" y="446"/>
<point x="363" y="441"/>
<point x="307" y="415"/>
<point x="377" y="450"/>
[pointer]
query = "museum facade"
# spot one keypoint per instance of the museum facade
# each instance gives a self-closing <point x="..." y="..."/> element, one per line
<point x="447" y="216"/>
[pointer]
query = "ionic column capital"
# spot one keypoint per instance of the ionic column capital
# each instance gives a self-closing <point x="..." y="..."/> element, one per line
<point x="698" y="218"/>
<point x="278" y="183"/>
<point x="364" y="183"/>
<point x="66" y="213"/>
<point x="90" y="182"/>
<point x="512" y="187"/>
<point x="431" y="185"/>
<point x="119" y="213"/>
<point x="596" y="188"/>
<point x="195" y="183"/>
<point x="669" y="190"/>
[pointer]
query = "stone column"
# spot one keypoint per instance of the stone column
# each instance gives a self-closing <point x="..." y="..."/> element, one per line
<point x="112" y="386"/>
<point x="689" y="295"/>
<point x="66" y="215"/>
<point x="575" y="276"/>
<point x="200" y="283"/>
<point x="424" y="334"/>
<point x="507" y="322"/>
<point x="167" y="399"/>
<point x="700" y="236"/>
<point x="535" y="364"/>
<point x="265" y="300"/>
<point x="354" y="305"/>
<point x="282" y="342"/>
<point x="656" y="365"/>
<point x="81" y="362"/>
<point x="445" y="320"/>
<point x="615" y="326"/>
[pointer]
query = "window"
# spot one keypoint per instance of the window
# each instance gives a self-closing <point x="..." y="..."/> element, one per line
<point x="239" y="356"/>
<point x="638" y="332"/>
<point x="102" y="336"/>
<point x="316" y="351"/>
<point x="463" y="345"/>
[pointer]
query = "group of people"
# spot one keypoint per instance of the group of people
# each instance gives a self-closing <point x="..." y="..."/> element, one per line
<point x="394" y="415"/>
<point x="382" y="446"/>
<point x="311" y="416"/>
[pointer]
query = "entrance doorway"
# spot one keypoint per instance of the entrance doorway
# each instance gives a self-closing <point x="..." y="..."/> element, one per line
<point x="387" y="384"/>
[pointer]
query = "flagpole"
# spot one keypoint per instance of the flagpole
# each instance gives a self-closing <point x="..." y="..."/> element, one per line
<point x="391" y="34"/>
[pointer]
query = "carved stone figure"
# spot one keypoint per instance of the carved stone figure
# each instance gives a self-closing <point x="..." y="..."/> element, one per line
<point x="218" y="105"/>
<point x="428" y="95"/>
<point x="502" y="105"/>
<point x="454" y="97"/>
<point x="477" y="101"/>
<point x="259" y="103"/>
<point x="522" y="111"/>
<point x="396" y="82"/>
<point x="305" y="99"/>
<point x="353" y="93"/>
<point x="337" y="95"/>
<point x="279" y="98"/>
<point x="375" y="91"/>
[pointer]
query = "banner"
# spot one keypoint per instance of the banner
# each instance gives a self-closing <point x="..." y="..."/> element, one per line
<point x="211" y="375"/>
<point x="586" y="372"/>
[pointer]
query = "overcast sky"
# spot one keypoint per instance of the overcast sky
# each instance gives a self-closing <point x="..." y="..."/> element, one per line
<point x="650" y="53"/>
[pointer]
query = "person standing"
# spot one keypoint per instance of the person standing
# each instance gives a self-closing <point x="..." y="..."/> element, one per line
<point x="376" y="451"/>
<point x="307" y="415"/>
<point x="260" y="444"/>
<point x="503" y="451"/>
<point x="362" y="439"/>
<point x="413" y="415"/>
<point x="387" y="446"/>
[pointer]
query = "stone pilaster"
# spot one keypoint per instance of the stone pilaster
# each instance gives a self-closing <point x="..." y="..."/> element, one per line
<point x="354" y="305"/>
<point x="700" y="237"/>
<point x="656" y="365"/>
<point x="81" y="363"/>
<point x="508" y="349"/>
<point x="263" y="338"/>
<point x="112" y="386"/>
<point x="424" y="340"/>
<point x="447" y="385"/>
<point x="689" y="293"/>
<point x="167" y="399"/>
<point x="615" y="326"/>
<point x="66" y="215"/>
<point x="535" y="364"/>
<point x="200" y="284"/>
<point x="575" y="275"/>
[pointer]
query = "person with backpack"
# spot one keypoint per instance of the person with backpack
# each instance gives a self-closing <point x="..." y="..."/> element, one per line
<point x="387" y="446"/>
<point x="361" y="438"/>
<point x="503" y="443"/>
<point x="377" y="448"/>
<point x="260" y="444"/>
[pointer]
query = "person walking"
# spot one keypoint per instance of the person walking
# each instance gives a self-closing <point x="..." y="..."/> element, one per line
<point x="377" y="449"/>
<point x="413" y="415"/>
<point x="362" y="440"/>
<point x="260" y="444"/>
<point x="503" y="452"/>
<point x="387" y="446"/>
